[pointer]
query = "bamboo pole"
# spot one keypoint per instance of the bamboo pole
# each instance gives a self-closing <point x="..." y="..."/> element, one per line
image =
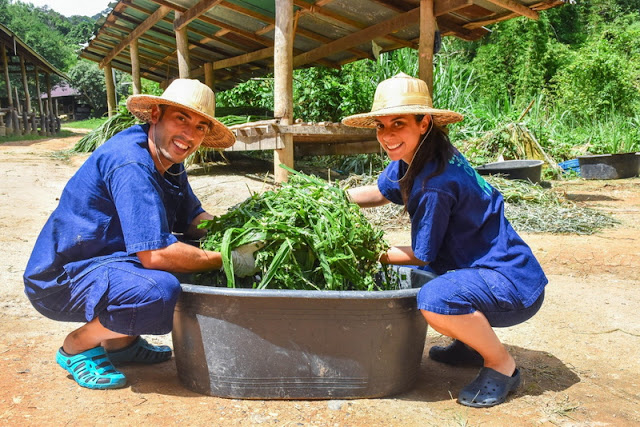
<point x="283" y="85"/>
<point x="135" y="67"/>
<point x="111" y="89"/>
<point x="425" y="49"/>
<point x="182" y="44"/>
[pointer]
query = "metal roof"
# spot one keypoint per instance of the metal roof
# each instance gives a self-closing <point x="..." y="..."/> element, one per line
<point x="237" y="36"/>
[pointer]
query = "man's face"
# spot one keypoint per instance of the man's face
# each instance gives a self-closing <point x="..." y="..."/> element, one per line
<point x="177" y="133"/>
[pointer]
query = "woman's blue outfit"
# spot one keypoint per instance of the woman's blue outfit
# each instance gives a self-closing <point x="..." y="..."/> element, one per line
<point x="458" y="226"/>
<point x="84" y="262"/>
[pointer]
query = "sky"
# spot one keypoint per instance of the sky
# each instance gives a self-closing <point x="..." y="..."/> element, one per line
<point x="73" y="7"/>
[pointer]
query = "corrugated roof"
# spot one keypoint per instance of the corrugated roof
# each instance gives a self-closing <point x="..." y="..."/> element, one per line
<point x="237" y="36"/>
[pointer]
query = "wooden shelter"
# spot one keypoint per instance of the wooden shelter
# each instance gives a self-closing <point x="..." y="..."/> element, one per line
<point x="224" y="42"/>
<point x="20" y="118"/>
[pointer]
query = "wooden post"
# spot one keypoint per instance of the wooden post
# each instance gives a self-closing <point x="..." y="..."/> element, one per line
<point x="425" y="47"/>
<point x="135" y="67"/>
<point x="49" y="104"/>
<point x="111" y="90"/>
<point x="209" y="76"/>
<point x="43" y="128"/>
<point x="27" y="98"/>
<point x="10" y="124"/>
<point x="283" y="85"/>
<point x="182" y="45"/>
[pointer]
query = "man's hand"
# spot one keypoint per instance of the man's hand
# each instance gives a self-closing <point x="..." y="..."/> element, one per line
<point x="243" y="260"/>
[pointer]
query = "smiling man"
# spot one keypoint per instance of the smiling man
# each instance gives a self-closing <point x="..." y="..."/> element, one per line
<point x="107" y="253"/>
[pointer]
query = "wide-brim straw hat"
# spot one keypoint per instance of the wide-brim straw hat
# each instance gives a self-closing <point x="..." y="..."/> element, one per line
<point x="400" y="95"/>
<point x="191" y="95"/>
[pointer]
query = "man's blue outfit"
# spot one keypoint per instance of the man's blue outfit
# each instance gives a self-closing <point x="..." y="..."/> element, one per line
<point x="84" y="262"/>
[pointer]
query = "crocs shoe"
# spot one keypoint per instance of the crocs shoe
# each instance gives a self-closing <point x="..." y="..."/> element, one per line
<point x="489" y="388"/>
<point x="140" y="351"/>
<point x="457" y="353"/>
<point x="91" y="369"/>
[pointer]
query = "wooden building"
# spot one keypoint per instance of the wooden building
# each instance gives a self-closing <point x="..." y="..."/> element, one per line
<point x="17" y="113"/>
<point x="224" y="42"/>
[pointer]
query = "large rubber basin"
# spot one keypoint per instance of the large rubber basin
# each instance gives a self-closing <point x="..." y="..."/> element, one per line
<point x="288" y="344"/>
<point x="609" y="166"/>
<point x="514" y="169"/>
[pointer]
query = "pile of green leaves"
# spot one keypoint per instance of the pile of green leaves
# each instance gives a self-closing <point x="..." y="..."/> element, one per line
<point x="315" y="239"/>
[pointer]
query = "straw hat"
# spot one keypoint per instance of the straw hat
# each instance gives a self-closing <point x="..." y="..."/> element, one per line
<point x="400" y="95"/>
<point x="190" y="95"/>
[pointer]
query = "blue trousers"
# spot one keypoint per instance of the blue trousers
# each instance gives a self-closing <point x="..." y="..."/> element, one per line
<point x="126" y="297"/>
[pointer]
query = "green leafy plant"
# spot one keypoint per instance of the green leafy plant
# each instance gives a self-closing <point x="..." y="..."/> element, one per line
<point x="314" y="239"/>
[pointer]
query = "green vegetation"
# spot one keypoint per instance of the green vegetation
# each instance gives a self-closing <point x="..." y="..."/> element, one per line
<point x="314" y="239"/>
<point x="86" y="124"/>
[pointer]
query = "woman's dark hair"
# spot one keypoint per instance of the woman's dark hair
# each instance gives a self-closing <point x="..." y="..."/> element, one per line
<point x="436" y="147"/>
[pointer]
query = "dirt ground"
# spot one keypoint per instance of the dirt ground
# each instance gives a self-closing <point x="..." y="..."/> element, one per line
<point x="579" y="356"/>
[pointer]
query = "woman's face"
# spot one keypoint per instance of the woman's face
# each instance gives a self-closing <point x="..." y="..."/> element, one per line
<point x="400" y="135"/>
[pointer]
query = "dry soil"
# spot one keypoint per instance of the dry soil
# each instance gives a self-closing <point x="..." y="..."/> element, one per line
<point x="579" y="356"/>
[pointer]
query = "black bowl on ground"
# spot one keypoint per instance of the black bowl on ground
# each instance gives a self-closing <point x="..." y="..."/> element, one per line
<point x="609" y="166"/>
<point x="514" y="169"/>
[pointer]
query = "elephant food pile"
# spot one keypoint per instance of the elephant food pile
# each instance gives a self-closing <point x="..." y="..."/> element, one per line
<point x="314" y="239"/>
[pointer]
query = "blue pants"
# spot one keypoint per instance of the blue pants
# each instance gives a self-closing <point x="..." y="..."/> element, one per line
<point x="477" y="289"/>
<point x="126" y="297"/>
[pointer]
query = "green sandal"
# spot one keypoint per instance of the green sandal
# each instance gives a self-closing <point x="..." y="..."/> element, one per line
<point x="91" y="369"/>
<point x="140" y="351"/>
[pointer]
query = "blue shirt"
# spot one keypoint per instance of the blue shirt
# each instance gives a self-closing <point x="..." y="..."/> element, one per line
<point x="457" y="221"/>
<point x="115" y="205"/>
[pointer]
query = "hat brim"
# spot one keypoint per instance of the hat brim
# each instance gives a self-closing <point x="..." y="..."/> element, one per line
<point x="218" y="137"/>
<point x="368" y="120"/>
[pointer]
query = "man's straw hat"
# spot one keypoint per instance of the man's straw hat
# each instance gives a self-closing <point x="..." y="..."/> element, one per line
<point x="190" y="95"/>
<point x="400" y="95"/>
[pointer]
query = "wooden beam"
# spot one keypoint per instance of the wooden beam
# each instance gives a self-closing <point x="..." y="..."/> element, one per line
<point x="182" y="45"/>
<point x="394" y="24"/>
<point x="7" y="81"/>
<point x="135" y="67"/>
<point x="283" y="85"/>
<point x="425" y="51"/>
<point x="265" y="53"/>
<point x="442" y="7"/>
<point x="112" y="106"/>
<point x="27" y="98"/>
<point x="194" y="12"/>
<point x="209" y="76"/>
<point x="516" y="7"/>
<point x="141" y="29"/>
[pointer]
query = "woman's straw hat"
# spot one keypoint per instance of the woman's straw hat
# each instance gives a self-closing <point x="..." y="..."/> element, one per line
<point x="190" y="95"/>
<point x="400" y="95"/>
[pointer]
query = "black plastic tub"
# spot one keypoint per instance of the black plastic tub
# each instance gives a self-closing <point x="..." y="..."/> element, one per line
<point x="609" y="166"/>
<point x="514" y="169"/>
<point x="287" y="344"/>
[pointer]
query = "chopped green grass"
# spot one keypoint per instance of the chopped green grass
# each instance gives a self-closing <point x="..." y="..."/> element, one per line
<point x="315" y="239"/>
